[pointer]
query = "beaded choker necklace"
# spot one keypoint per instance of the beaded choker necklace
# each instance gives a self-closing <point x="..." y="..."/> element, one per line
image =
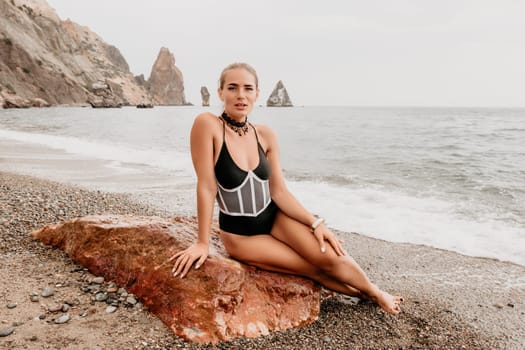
<point x="241" y="128"/>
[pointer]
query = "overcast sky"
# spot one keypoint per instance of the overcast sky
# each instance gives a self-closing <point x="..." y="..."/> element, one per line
<point x="330" y="52"/>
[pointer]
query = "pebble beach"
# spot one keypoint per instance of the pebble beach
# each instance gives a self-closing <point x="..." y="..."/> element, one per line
<point x="452" y="301"/>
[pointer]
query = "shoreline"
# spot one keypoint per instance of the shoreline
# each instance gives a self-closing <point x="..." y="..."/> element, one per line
<point x="452" y="300"/>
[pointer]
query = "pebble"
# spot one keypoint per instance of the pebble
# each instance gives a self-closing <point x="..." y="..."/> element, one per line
<point x="33" y="338"/>
<point x="4" y="332"/>
<point x="98" y="280"/>
<point x="111" y="309"/>
<point x="47" y="292"/>
<point x="498" y="305"/>
<point x="131" y="300"/>
<point x="65" y="307"/>
<point x="62" y="319"/>
<point x="83" y="313"/>
<point x="33" y="298"/>
<point x="101" y="297"/>
<point x="11" y="305"/>
<point x="55" y="308"/>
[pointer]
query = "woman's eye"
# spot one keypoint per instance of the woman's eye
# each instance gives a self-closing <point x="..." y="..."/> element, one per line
<point x="231" y="88"/>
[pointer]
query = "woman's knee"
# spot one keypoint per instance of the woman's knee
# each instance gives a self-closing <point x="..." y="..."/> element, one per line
<point x="329" y="263"/>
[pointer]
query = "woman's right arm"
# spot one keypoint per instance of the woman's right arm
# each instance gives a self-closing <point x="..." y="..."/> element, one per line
<point x="201" y="143"/>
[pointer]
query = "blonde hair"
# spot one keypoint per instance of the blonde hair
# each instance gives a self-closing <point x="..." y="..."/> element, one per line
<point x="236" y="65"/>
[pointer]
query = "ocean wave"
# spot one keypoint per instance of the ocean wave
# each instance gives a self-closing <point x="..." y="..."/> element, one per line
<point x="400" y="217"/>
<point x="174" y="161"/>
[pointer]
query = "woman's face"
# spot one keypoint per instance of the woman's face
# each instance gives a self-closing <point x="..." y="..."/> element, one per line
<point x="238" y="93"/>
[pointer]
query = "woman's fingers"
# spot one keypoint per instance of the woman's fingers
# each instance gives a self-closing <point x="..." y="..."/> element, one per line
<point x="199" y="262"/>
<point x="337" y="247"/>
<point x="180" y="264"/>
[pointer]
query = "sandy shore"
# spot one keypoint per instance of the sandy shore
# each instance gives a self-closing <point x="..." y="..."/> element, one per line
<point x="452" y="301"/>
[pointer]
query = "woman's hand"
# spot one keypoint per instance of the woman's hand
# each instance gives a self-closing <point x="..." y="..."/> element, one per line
<point x="184" y="259"/>
<point x="322" y="233"/>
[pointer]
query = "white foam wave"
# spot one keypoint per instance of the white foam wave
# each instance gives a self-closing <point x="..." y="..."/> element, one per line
<point x="172" y="160"/>
<point x="398" y="217"/>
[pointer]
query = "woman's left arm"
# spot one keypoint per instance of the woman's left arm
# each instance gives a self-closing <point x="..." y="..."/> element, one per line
<point x="286" y="201"/>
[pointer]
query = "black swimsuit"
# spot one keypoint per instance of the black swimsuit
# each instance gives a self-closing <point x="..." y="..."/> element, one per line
<point x="245" y="205"/>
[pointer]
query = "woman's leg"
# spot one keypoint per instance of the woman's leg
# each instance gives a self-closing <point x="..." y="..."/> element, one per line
<point x="268" y="253"/>
<point x="341" y="268"/>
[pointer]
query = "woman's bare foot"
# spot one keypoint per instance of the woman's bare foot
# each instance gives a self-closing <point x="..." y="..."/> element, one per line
<point x="388" y="302"/>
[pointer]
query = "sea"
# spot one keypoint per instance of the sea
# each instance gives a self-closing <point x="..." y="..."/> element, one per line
<point x="450" y="178"/>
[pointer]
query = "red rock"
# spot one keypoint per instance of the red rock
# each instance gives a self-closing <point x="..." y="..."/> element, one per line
<point x="222" y="300"/>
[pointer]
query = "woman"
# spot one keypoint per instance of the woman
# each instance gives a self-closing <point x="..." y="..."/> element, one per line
<point x="262" y="223"/>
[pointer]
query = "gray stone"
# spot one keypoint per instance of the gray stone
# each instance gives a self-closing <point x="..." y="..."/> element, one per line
<point x="131" y="300"/>
<point x="4" y="332"/>
<point x="47" y="292"/>
<point x="11" y="305"/>
<point x="62" y="319"/>
<point x="101" y="297"/>
<point x="111" y="309"/>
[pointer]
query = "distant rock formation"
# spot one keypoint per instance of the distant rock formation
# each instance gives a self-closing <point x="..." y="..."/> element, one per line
<point x="205" y="95"/>
<point x="14" y="101"/>
<point x="166" y="83"/>
<point x="279" y="97"/>
<point x="58" y="61"/>
<point x="222" y="300"/>
<point x="145" y="105"/>
<point x="140" y="80"/>
<point x="104" y="96"/>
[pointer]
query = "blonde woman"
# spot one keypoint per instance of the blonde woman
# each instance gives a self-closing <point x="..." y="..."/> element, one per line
<point x="262" y="223"/>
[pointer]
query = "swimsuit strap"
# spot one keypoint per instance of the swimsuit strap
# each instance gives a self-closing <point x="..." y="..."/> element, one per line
<point x="255" y="130"/>
<point x="223" y="130"/>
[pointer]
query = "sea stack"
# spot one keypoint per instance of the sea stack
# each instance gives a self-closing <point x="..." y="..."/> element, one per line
<point x="279" y="97"/>
<point x="166" y="83"/>
<point x="205" y="95"/>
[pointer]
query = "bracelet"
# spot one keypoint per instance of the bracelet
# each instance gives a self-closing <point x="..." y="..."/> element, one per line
<point x="316" y="223"/>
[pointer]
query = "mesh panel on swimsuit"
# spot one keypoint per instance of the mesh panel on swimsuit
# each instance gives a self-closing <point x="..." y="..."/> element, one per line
<point x="250" y="198"/>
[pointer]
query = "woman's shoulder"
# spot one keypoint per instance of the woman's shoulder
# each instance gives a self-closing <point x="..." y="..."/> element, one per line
<point x="206" y="117"/>
<point x="264" y="130"/>
<point x="206" y="120"/>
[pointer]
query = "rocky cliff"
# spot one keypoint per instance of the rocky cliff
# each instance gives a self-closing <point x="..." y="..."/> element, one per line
<point x="166" y="83"/>
<point x="279" y="97"/>
<point x="43" y="57"/>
